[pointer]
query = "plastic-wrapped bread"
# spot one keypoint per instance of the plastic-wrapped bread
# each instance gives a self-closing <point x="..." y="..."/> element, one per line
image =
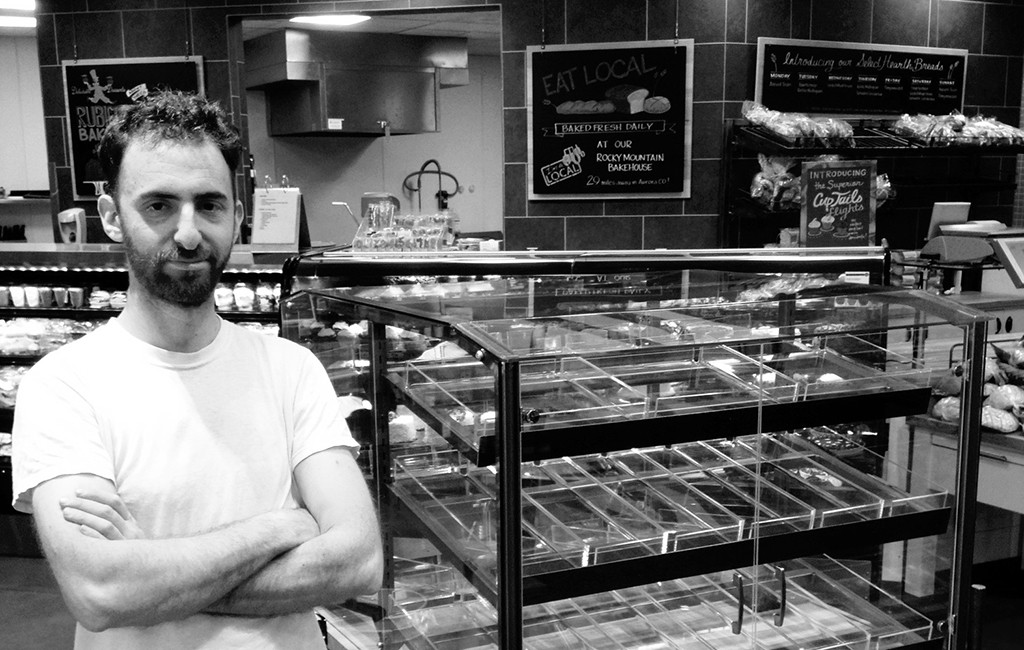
<point x="947" y="408"/>
<point x="244" y="296"/>
<point x="223" y="296"/>
<point x="998" y="420"/>
<point x="1006" y="397"/>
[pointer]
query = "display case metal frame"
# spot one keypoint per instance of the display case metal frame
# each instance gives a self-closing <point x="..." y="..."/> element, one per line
<point x="304" y="273"/>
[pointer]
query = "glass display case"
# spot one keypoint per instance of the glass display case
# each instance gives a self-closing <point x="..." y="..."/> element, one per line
<point x="647" y="450"/>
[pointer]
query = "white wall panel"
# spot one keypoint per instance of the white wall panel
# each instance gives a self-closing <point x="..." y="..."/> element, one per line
<point x="22" y="136"/>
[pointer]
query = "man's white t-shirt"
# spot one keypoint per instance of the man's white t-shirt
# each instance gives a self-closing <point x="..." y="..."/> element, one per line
<point x="191" y="441"/>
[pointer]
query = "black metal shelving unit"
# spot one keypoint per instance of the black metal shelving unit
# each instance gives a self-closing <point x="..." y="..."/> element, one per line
<point x="747" y="222"/>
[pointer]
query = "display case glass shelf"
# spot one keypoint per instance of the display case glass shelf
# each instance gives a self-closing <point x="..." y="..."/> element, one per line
<point x="645" y="451"/>
<point x="698" y="388"/>
<point x="814" y="603"/>
<point x="678" y="510"/>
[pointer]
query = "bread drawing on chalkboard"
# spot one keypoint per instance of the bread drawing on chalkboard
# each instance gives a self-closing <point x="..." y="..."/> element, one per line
<point x="657" y="105"/>
<point x="627" y="98"/>
<point x="624" y="98"/>
<point x="583" y="107"/>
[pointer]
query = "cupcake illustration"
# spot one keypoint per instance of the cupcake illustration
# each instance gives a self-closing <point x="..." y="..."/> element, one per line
<point x="814" y="228"/>
<point x="842" y="230"/>
<point x="827" y="223"/>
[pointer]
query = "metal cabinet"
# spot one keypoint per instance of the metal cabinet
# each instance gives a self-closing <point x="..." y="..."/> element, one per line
<point x="640" y="450"/>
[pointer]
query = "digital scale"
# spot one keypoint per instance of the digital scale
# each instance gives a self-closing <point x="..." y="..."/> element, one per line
<point x="1010" y="251"/>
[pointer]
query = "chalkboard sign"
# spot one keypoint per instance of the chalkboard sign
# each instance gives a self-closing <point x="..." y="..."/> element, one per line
<point x="95" y="88"/>
<point x="839" y="203"/>
<point x="610" y="120"/>
<point x="858" y="80"/>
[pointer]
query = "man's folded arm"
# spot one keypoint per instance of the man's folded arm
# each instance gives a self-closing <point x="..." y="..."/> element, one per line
<point x="345" y="560"/>
<point x="139" y="582"/>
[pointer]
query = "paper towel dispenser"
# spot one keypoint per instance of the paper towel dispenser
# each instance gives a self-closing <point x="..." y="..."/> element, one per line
<point x="326" y="83"/>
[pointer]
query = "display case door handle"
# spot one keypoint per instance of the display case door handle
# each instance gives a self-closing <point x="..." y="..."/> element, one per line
<point x="999" y="325"/>
<point x="737" y="582"/>
<point x="780" y="577"/>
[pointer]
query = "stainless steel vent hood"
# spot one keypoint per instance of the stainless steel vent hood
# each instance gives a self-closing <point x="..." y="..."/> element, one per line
<point x="326" y="83"/>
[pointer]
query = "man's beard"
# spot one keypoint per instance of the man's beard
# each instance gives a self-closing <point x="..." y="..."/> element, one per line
<point x="189" y="289"/>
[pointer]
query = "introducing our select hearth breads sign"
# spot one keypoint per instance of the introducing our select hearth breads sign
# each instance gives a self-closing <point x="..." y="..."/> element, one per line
<point x="858" y="79"/>
<point x="610" y="120"/>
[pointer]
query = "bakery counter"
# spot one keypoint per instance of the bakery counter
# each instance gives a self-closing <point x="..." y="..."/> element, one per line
<point x="88" y="282"/>
<point x="1006" y="308"/>
<point x="1000" y="471"/>
<point x="935" y="442"/>
<point x="110" y="257"/>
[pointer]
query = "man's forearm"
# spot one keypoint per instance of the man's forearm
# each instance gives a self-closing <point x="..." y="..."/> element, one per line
<point x="143" y="582"/>
<point x="326" y="570"/>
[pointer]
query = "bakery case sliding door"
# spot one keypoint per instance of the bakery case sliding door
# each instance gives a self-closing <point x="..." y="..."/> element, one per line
<point x="852" y="548"/>
<point x="716" y="468"/>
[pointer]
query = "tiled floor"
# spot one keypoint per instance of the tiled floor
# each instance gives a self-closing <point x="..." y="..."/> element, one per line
<point x="34" y="616"/>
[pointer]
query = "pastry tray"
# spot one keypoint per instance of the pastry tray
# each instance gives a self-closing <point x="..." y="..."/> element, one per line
<point x="577" y="404"/>
<point x="808" y="603"/>
<point x="667" y="512"/>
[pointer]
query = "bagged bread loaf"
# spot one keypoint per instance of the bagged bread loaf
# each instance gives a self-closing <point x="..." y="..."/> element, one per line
<point x="947" y="408"/>
<point x="1006" y="397"/>
<point x="998" y="420"/>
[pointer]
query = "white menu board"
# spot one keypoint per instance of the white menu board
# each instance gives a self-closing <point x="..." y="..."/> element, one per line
<point x="275" y="220"/>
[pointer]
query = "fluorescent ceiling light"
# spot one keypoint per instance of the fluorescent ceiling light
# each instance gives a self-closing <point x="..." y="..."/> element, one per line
<point x="18" y="5"/>
<point x="331" y="19"/>
<point x="18" y="21"/>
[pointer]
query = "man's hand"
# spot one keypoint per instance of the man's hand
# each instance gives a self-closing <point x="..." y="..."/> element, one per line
<point x="100" y="514"/>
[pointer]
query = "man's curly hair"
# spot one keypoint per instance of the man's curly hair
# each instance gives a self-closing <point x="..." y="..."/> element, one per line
<point x="168" y="115"/>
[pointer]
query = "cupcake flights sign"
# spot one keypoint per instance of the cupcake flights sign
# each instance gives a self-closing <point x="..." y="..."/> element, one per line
<point x="839" y="203"/>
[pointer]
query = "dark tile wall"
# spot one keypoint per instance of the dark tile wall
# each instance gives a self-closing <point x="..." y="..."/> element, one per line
<point x="724" y="31"/>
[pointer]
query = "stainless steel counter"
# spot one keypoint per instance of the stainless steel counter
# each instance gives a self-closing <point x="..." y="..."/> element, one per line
<point x="111" y="256"/>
